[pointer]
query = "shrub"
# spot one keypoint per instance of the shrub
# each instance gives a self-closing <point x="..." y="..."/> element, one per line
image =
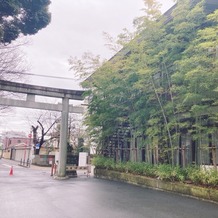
<point x="194" y="174"/>
<point x="170" y="173"/>
<point x="149" y="170"/>
<point x="164" y="171"/>
<point x="120" y="167"/>
<point x="213" y="178"/>
<point x="102" y="162"/>
<point x="134" y="167"/>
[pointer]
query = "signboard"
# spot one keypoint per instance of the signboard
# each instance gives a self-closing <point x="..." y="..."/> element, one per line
<point x="83" y="159"/>
<point x="37" y="146"/>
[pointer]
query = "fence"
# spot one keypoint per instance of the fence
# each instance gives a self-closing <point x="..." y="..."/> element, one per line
<point x="183" y="156"/>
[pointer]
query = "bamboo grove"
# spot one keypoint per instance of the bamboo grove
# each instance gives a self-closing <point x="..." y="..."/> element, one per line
<point x="157" y="99"/>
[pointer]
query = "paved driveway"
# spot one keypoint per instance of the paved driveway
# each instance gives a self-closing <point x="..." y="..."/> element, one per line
<point x="33" y="193"/>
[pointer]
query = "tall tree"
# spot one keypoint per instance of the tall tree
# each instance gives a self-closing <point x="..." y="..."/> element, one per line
<point x="169" y="71"/>
<point x="197" y="77"/>
<point x="46" y="123"/>
<point x="18" y="17"/>
<point x="22" y="17"/>
<point x="12" y="62"/>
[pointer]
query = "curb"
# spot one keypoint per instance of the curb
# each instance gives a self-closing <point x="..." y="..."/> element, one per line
<point x="180" y="188"/>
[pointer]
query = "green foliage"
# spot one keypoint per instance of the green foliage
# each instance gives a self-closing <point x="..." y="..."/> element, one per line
<point x="103" y="163"/>
<point x="202" y="177"/>
<point x="164" y="172"/>
<point x="120" y="167"/>
<point x="167" y="73"/>
<point x="23" y="16"/>
<point x="135" y="168"/>
<point x="98" y="162"/>
<point x="170" y="173"/>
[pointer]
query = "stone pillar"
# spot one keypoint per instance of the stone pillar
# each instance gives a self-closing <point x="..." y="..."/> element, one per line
<point x="63" y="138"/>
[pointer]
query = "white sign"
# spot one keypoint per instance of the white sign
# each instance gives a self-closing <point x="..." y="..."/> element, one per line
<point x="83" y="159"/>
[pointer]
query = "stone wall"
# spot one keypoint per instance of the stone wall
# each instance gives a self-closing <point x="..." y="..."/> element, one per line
<point x="43" y="160"/>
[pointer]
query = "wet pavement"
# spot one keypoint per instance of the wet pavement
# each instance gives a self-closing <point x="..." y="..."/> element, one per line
<point x="33" y="193"/>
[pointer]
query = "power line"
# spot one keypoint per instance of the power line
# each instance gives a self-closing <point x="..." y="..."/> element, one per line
<point x="42" y="75"/>
<point x="54" y="77"/>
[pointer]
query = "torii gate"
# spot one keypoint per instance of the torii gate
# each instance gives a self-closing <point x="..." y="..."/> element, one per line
<point x="31" y="91"/>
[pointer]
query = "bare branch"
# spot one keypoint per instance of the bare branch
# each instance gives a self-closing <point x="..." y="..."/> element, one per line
<point x="86" y="65"/>
<point x="115" y="44"/>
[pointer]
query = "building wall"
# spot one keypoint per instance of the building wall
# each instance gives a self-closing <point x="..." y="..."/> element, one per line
<point x="22" y="154"/>
<point x="13" y="141"/>
<point x="7" y="154"/>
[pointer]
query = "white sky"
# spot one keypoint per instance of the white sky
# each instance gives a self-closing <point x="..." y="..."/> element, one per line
<point x="76" y="27"/>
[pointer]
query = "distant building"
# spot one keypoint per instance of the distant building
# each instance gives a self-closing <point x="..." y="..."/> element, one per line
<point x="9" y="142"/>
<point x="16" y="146"/>
<point x="5" y="136"/>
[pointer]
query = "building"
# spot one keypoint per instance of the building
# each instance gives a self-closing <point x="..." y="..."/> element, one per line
<point x="180" y="137"/>
<point x="16" y="146"/>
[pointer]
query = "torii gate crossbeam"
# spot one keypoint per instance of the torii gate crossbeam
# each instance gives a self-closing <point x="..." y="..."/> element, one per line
<point x="31" y="91"/>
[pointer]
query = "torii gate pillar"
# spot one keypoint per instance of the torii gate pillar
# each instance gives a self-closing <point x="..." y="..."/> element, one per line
<point x="31" y="91"/>
<point x="63" y="138"/>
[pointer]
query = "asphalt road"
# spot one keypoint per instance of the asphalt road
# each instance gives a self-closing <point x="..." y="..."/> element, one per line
<point x="33" y="193"/>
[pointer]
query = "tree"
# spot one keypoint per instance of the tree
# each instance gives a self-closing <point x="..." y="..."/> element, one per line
<point x="198" y="72"/>
<point x="76" y="133"/>
<point x="12" y="64"/>
<point x="46" y="123"/>
<point x="18" y="17"/>
<point x="25" y="17"/>
<point x="114" y="87"/>
<point x="115" y="44"/>
<point x="85" y="66"/>
<point x="161" y="86"/>
<point x="47" y="130"/>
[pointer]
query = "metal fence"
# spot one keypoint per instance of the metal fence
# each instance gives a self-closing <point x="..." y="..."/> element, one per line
<point x="183" y="156"/>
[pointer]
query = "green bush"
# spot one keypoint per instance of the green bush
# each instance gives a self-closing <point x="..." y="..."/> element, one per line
<point x="194" y="174"/>
<point x="204" y="177"/>
<point x="150" y="170"/>
<point x="170" y="173"/>
<point x="102" y="162"/>
<point x="97" y="162"/>
<point x="164" y="172"/>
<point x="213" y="178"/>
<point x="120" y="167"/>
<point x="135" y="168"/>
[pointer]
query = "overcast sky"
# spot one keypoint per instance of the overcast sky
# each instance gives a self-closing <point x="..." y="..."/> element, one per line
<point x="76" y="27"/>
